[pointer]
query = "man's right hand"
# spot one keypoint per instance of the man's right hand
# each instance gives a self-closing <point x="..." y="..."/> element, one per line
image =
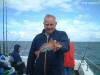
<point x="37" y="53"/>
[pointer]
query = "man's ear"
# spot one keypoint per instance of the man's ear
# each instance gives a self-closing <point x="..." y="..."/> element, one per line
<point x="55" y="23"/>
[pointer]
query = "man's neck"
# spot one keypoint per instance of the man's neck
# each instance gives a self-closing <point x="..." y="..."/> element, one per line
<point x="47" y="34"/>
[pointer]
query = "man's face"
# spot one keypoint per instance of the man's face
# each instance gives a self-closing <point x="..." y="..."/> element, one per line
<point x="19" y="49"/>
<point x="49" y="25"/>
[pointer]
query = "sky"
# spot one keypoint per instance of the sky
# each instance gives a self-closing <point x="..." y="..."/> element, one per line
<point x="80" y="19"/>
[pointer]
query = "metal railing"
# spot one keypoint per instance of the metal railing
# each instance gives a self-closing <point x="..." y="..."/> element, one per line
<point x="88" y="61"/>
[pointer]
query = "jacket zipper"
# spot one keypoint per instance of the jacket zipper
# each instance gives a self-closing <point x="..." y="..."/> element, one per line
<point x="45" y="55"/>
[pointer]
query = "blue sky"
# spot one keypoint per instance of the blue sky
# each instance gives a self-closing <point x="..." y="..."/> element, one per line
<point x="80" y="19"/>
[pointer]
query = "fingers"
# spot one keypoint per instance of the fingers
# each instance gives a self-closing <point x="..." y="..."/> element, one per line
<point x="52" y="45"/>
<point x="37" y="53"/>
<point x="57" y="45"/>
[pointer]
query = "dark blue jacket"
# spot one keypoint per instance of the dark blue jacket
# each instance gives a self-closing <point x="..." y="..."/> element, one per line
<point x="15" y="54"/>
<point x="54" y="60"/>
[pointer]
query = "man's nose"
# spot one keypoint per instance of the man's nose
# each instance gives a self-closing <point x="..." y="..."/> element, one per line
<point x="49" y="26"/>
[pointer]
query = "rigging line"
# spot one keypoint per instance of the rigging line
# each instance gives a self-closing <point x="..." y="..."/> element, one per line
<point x="85" y="51"/>
<point x="83" y="57"/>
<point x="91" y="62"/>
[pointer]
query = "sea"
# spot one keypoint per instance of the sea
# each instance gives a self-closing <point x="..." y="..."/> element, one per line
<point x="90" y="50"/>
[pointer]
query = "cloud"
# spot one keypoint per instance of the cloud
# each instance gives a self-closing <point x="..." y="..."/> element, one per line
<point x="25" y="30"/>
<point x="36" y="26"/>
<point x="80" y="31"/>
<point x="78" y="22"/>
<point x="77" y="30"/>
<point x="66" y="7"/>
<point x="13" y="35"/>
<point x="26" y="5"/>
<point x="38" y="5"/>
<point x="19" y="36"/>
<point x="81" y="16"/>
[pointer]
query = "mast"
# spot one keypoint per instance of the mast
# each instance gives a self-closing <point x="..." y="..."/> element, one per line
<point x="6" y="30"/>
<point x="3" y="31"/>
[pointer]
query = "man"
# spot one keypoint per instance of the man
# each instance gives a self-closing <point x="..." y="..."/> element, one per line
<point x="16" y="60"/>
<point x="69" y="61"/>
<point x="50" y="62"/>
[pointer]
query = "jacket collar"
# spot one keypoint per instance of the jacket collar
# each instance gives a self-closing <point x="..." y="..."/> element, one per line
<point x="43" y="32"/>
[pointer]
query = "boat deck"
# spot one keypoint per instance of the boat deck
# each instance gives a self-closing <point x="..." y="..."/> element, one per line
<point x="83" y="70"/>
<point x="75" y="72"/>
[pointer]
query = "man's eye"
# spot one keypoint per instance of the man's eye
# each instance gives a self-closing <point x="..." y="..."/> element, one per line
<point x="51" y="24"/>
<point x="46" y="24"/>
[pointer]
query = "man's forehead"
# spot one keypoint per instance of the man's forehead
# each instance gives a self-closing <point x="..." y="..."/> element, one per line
<point x="48" y="19"/>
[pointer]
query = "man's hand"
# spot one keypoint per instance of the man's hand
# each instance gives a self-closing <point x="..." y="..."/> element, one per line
<point x="36" y="53"/>
<point x="52" y="45"/>
<point x="57" y="45"/>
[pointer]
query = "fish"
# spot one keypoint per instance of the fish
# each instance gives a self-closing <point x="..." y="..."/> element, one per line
<point x="51" y="45"/>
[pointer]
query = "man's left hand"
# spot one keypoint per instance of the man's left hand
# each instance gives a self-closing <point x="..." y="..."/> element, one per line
<point x="58" y="46"/>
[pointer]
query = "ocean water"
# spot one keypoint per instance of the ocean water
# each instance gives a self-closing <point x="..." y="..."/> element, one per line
<point x="91" y="50"/>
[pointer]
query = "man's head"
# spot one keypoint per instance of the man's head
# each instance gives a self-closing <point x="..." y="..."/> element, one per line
<point x="50" y="23"/>
<point x="17" y="47"/>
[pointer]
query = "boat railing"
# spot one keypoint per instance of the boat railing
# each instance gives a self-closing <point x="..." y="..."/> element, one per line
<point x="89" y="62"/>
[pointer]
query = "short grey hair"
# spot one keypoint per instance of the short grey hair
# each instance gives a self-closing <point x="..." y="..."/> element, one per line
<point x="48" y="16"/>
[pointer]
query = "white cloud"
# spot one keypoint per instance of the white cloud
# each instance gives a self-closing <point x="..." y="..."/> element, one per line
<point x="78" y="22"/>
<point x="28" y="30"/>
<point x="66" y="7"/>
<point x="38" y="5"/>
<point x="23" y="31"/>
<point x="13" y="35"/>
<point x="84" y="16"/>
<point x="25" y="5"/>
<point x="79" y="30"/>
<point x="22" y="34"/>
<point x="19" y="36"/>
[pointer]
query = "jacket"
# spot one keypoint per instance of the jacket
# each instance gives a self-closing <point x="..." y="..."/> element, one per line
<point x="54" y="60"/>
